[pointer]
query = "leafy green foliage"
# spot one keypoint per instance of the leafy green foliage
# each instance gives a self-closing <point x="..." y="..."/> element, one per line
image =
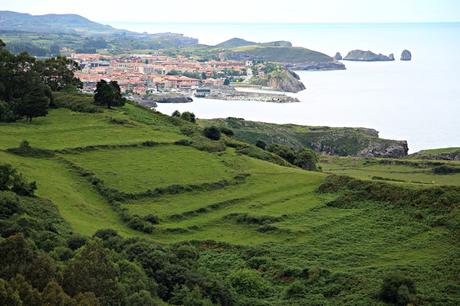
<point x="11" y="180"/>
<point x="212" y="133"/>
<point x="398" y="290"/>
<point x="303" y="158"/>
<point x="108" y="93"/>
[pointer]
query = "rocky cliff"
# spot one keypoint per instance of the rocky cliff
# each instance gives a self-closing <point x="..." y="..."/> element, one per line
<point x="327" y="140"/>
<point x="284" y="80"/>
<point x="367" y="56"/>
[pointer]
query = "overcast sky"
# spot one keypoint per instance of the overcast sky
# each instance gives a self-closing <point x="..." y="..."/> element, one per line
<point x="294" y="11"/>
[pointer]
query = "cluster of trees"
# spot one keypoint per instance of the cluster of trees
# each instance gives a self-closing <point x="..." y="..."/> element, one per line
<point x="43" y="263"/>
<point x="26" y="84"/>
<point x="108" y="94"/>
<point x="187" y="116"/>
<point x="303" y="157"/>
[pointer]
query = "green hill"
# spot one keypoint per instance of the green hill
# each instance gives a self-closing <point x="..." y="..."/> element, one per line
<point x="329" y="140"/>
<point x="220" y="225"/>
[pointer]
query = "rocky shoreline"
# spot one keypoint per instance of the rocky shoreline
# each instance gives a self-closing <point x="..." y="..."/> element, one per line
<point x="232" y="94"/>
<point x="317" y="66"/>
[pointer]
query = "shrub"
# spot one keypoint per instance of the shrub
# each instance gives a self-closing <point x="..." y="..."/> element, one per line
<point x="296" y="289"/>
<point x="249" y="283"/>
<point x="397" y="289"/>
<point x="445" y="169"/>
<point x="188" y="116"/>
<point x="212" y="133"/>
<point x="261" y="144"/>
<point x="25" y="149"/>
<point x="176" y="114"/>
<point x="152" y="219"/>
<point x="11" y="180"/>
<point x="227" y="131"/>
<point x="76" y="241"/>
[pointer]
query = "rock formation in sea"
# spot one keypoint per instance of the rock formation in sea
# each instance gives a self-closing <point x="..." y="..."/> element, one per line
<point x="391" y="57"/>
<point x="406" y="55"/>
<point x="367" y="56"/>
<point x="338" y="56"/>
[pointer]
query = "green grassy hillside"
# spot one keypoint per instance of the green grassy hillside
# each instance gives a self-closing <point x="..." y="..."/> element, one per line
<point x="293" y="232"/>
<point x="329" y="140"/>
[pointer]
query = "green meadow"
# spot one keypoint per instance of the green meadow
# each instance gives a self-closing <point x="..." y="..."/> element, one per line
<point x="242" y="212"/>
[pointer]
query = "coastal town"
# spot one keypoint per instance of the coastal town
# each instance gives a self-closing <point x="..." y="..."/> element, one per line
<point x="161" y="78"/>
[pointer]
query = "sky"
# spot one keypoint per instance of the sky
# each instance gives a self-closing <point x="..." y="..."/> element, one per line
<point x="246" y="11"/>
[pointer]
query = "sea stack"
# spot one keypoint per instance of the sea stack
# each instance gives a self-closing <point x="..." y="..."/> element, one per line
<point x="406" y="55"/>
<point x="391" y="57"/>
<point x="338" y="56"/>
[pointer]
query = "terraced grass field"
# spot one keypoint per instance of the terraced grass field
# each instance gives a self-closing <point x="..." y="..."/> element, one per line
<point x="270" y="214"/>
<point x="406" y="172"/>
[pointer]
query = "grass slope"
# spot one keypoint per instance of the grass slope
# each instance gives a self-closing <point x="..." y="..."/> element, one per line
<point x="273" y="222"/>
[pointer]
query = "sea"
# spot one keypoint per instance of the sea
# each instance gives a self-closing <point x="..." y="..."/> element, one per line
<point x="417" y="101"/>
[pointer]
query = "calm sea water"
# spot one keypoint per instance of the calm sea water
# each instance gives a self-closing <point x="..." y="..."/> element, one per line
<point x="417" y="101"/>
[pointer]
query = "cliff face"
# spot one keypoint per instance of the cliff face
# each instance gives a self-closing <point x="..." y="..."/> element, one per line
<point x="367" y="56"/>
<point x="332" y="141"/>
<point x="285" y="80"/>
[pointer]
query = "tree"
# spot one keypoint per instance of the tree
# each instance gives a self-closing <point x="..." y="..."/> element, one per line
<point x="108" y="93"/>
<point x="35" y="102"/>
<point x="306" y="159"/>
<point x="53" y="294"/>
<point x="59" y="72"/>
<point x="17" y="254"/>
<point x="8" y="295"/>
<point x="176" y="114"/>
<point x="141" y="298"/>
<point x="92" y="270"/>
<point x="2" y="44"/>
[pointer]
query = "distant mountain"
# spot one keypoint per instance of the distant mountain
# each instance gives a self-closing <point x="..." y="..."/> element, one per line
<point x="52" y="23"/>
<point x="51" y="34"/>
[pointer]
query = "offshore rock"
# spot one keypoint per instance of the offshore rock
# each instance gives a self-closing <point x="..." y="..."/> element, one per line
<point x="406" y="55"/>
<point x="367" y="56"/>
<point x="338" y="56"/>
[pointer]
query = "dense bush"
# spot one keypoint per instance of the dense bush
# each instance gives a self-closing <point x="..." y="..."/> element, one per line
<point x="188" y="116"/>
<point x="261" y="144"/>
<point x="398" y="290"/>
<point x="445" y="169"/>
<point x="212" y="132"/>
<point x="304" y="158"/>
<point x="11" y="180"/>
<point x="76" y="102"/>
<point x="249" y="283"/>
<point x="25" y="149"/>
<point x="226" y="131"/>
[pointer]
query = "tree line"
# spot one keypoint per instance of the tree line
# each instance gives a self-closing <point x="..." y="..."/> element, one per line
<point x="27" y="85"/>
